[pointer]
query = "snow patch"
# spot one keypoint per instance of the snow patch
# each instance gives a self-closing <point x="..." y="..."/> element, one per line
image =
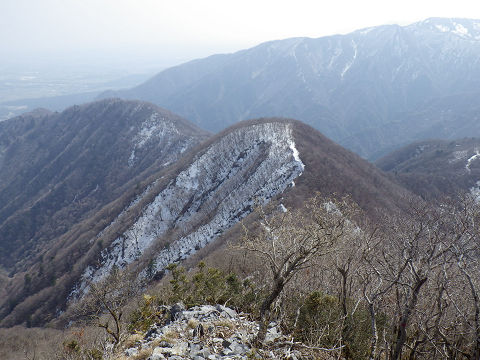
<point x="442" y="28"/>
<point x="218" y="189"/>
<point x="458" y="155"/>
<point x="472" y="158"/>
<point x="367" y="30"/>
<point x="154" y="127"/>
<point x="460" y="30"/>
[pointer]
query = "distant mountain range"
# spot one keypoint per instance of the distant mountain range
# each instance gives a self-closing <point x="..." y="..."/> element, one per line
<point x="371" y="90"/>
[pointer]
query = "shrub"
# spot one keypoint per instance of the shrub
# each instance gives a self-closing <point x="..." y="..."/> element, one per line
<point x="208" y="286"/>
<point x="204" y="286"/>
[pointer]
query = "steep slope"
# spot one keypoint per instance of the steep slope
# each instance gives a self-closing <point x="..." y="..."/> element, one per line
<point x="252" y="162"/>
<point x="436" y="168"/>
<point x="203" y="197"/>
<point x="58" y="168"/>
<point x="192" y="205"/>
<point x="358" y="89"/>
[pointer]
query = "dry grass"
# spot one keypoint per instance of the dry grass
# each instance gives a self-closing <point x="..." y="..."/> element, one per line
<point x="132" y="340"/>
<point x="155" y="343"/>
<point x="225" y="324"/>
<point x="144" y="354"/>
<point x="170" y="336"/>
<point x="192" y="323"/>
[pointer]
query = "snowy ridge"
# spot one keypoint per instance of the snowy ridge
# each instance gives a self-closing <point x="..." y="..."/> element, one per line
<point x="215" y="191"/>
<point x="154" y="127"/>
<point x="464" y="28"/>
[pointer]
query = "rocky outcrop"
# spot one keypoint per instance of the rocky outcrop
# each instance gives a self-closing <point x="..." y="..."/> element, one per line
<point x="210" y="332"/>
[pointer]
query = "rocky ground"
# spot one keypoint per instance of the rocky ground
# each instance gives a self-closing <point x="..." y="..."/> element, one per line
<point x="212" y="332"/>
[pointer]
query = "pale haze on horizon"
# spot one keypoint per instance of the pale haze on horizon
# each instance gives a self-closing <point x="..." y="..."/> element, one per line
<point x="169" y="32"/>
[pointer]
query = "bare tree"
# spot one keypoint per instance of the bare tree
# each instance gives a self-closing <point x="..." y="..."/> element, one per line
<point x="343" y="265"/>
<point x="408" y="273"/>
<point x="287" y="242"/>
<point x="463" y="292"/>
<point x="447" y="323"/>
<point x="106" y="300"/>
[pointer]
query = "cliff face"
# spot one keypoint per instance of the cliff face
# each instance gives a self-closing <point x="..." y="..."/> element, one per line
<point x="214" y="191"/>
<point x="58" y="174"/>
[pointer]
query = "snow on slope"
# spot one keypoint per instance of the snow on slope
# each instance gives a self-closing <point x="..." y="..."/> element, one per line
<point x="219" y="188"/>
<point x="472" y="158"/>
<point x="350" y="63"/>
<point x="475" y="191"/>
<point x="156" y="127"/>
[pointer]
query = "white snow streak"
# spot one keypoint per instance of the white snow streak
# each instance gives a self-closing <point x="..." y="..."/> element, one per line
<point x="442" y="28"/>
<point x="471" y="159"/>
<point x="296" y="154"/>
<point x="350" y="63"/>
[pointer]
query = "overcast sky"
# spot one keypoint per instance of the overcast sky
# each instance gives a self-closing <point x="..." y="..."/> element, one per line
<point x="171" y="31"/>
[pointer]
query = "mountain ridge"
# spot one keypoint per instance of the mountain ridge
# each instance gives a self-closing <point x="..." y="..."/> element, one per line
<point x="62" y="162"/>
<point x="436" y="168"/>
<point x="340" y="84"/>
<point x="192" y="204"/>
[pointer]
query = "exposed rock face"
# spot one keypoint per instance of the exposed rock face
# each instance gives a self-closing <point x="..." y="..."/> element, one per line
<point x="62" y="175"/>
<point x="210" y="332"/>
<point x="216" y="189"/>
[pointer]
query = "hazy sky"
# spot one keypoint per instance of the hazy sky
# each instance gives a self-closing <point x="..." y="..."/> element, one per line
<point x="175" y="30"/>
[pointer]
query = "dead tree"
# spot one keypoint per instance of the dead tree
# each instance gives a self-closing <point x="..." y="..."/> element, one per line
<point x="288" y="242"/>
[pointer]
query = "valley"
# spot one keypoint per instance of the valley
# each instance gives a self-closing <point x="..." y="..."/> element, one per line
<point x="58" y="88"/>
